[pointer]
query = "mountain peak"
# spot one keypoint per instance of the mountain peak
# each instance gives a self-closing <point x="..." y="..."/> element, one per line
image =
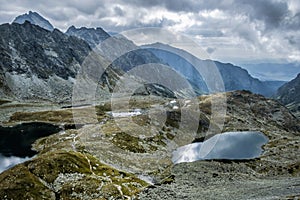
<point x="93" y="36"/>
<point x="34" y="18"/>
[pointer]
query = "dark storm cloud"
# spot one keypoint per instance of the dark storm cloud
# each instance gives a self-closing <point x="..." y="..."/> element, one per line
<point x="293" y="22"/>
<point x="208" y="32"/>
<point x="118" y="11"/>
<point x="182" y="5"/>
<point x="271" y="12"/>
<point x="263" y="25"/>
<point x="294" y="40"/>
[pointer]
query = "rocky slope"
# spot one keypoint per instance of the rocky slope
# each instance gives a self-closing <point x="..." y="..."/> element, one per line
<point x="275" y="175"/>
<point x="40" y="65"/>
<point x="109" y="158"/>
<point x="49" y="70"/>
<point x="37" y="63"/>
<point x="123" y="53"/>
<point x="34" y="18"/>
<point x="289" y="95"/>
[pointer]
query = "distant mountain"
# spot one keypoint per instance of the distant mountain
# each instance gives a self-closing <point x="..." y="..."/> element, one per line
<point x="124" y="56"/>
<point x="274" y="85"/>
<point x="273" y="71"/>
<point x="35" y="19"/>
<point x="234" y="77"/>
<point x="38" y="64"/>
<point x="93" y="36"/>
<point x="289" y="95"/>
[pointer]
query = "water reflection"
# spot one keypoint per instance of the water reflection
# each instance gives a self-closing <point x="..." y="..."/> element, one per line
<point x="8" y="162"/>
<point x="16" y="141"/>
<point x="229" y="145"/>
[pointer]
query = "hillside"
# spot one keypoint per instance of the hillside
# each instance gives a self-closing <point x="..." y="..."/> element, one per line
<point x="130" y="161"/>
<point x="289" y="95"/>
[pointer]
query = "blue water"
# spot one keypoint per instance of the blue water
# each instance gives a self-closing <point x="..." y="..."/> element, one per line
<point x="229" y="145"/>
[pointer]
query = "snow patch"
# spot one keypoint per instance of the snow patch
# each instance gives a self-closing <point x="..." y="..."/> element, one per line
<point x="126" y="114"/>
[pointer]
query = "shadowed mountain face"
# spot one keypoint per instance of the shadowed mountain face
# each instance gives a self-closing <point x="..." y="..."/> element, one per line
<point x="289" y="95"/>
<point x="234" y="77"/>
<point x="290" y="92"/>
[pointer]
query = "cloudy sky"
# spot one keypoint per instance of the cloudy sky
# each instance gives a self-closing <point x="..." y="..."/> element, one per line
<point x="237" y="31"/>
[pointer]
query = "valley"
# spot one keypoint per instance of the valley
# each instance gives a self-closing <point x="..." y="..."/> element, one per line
<point x="87" y="115"/>
<point x="146" y="150"/>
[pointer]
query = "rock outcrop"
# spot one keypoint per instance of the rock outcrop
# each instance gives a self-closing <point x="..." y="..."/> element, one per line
<point x="38" y="64"/>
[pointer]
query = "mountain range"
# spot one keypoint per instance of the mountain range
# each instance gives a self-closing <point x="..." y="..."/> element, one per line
<point x="55" y="58"/>
<point x="39" y="62"/>
<point x="273" y="71"/>
<point x="92" y="36"/>
<point x="234" y="77"/>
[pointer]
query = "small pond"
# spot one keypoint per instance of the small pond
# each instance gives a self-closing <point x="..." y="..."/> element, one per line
<point x="16" y="141"/>
<point x="229" y="146"/>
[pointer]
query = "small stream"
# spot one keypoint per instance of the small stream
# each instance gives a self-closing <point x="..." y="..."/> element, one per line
<point x="16" y="141"/>
<point x="229" y="145"/>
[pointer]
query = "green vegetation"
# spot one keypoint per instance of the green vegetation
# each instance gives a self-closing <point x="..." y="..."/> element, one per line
<point x="20" y="183"/>
<point x="55" y="116"/>
<point x="137" y="145"/>
<point x="71" y="175"/>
